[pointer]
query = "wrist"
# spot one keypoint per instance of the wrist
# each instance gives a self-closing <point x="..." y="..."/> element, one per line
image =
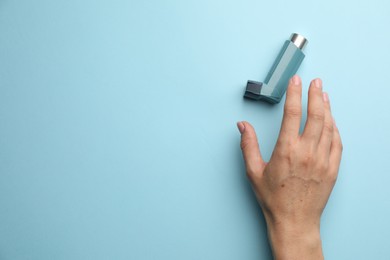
<point x="295" y="241"/>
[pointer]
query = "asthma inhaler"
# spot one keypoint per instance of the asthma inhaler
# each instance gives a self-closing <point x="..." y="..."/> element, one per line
<point x="284" y="67"/>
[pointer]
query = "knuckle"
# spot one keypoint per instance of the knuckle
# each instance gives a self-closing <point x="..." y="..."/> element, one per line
<point x="323" y="166"/>
<point x="292" y="111"/>
<point x="306" y="161"/>
<point x="328" y="127"/>
<point x="285" y="157"/>
<point x="284" y="152"/>
<point x="317" y="115"/>
<point x="245" y="142"/>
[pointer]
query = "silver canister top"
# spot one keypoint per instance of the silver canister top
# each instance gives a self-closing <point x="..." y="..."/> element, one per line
<point x="298" y="40"/>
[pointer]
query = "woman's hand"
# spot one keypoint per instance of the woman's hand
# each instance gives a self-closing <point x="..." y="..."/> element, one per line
<point x="294" y="186"/>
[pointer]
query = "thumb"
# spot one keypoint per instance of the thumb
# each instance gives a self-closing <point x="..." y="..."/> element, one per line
<point x="250" y="149"/>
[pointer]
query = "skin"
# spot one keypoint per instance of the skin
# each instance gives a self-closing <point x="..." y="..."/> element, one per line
<point x="294" y="186"/>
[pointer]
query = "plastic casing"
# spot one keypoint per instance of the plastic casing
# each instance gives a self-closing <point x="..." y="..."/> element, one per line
<point x="275" y="84"/>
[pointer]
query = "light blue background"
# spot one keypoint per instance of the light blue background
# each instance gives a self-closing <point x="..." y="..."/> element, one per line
<point x="117" y="125"/>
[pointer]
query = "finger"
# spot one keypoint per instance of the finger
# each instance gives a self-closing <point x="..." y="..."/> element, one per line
<point x="292" y="109"/>
<point x="250" y="148"/>
<point x="315" y="113"/>
<point x="327" y="131"/>
<point x="336" y="150"/>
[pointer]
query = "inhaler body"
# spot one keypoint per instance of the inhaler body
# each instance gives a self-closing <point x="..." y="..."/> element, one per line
<point x="285" y="66"/>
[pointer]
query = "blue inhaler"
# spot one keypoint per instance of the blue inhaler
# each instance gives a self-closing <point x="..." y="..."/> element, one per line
<point x="284" y="67"/>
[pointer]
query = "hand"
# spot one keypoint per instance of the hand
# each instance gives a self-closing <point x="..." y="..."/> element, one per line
<point x="294" y="186"/>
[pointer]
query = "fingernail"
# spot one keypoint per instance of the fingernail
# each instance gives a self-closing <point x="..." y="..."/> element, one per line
<point x="318" y="83"/>
<point x="296" y="80"/>
<point x="325" y="97"/>
<point x="241" y="127"/>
